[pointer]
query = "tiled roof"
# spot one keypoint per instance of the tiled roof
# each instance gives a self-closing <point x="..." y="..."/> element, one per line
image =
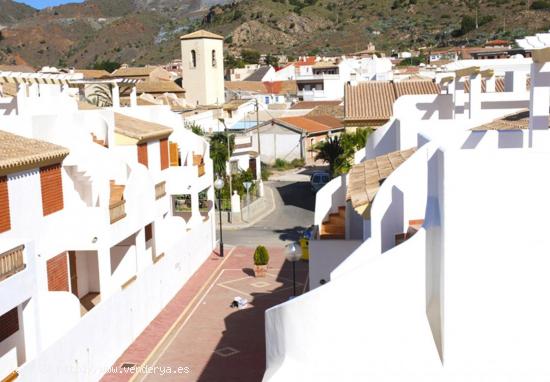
<point x="279" y="87"/>
<point x="201" y="34"/>
<point x="133" y="71"/>
<point x="317" y="124"/>
<point x="18" y="153"/>
<point x="373" y="100"/>
<point x="365" y="178"/>
<point x="516" y="121"/>
<point x="258" y="75"/>
<point x="149" y="86"/>
<point x="499" y="85"/>
<point x="93" y="74"/>
<point x="234" y="104"/>
<point x="313" y="104"/>
<point x="17" y="68"/>
<point x="139" y="129"/>
<point x="334" y="111"/>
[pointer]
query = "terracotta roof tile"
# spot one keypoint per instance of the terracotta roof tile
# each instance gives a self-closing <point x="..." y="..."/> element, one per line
<point x="139" y="129"/>
<point x="516" y="121"/>
<point x="313" y="104"/>
<point x="134" y="71"/>
<point x="150" y="86"/>
<point x="373" y="100"/>
<point x="19" y="153"/>
<point x="313" y="124"/>
<point x="365" y="178"/>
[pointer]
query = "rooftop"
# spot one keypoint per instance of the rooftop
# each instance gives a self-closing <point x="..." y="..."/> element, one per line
<point x="258" y="74"/>
<point x="133" y="71"/>
<point x="154" y="86"/>
<point x="201" y="34"/>
<point x="516" y="121"/>
<point x="373" y="100"/>
<point x="139" y="129"/>
<point x="18" y="153"/>
<point x="312" y="124"/>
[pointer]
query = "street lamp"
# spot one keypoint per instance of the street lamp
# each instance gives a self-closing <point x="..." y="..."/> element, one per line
<point x="218" y="185"/>
<point x="293" y="254"/>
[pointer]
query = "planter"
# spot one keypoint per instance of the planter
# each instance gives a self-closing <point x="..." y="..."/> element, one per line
<point x="260" y="270"/>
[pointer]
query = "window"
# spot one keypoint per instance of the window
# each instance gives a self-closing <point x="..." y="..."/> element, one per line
<point x="193" y="58"/>
<point x="214" y="63"/>
<point x="52" y="189"/>
<point x="142" y="154"/>
<point x="164" y="153"/>
<point x="148" y="232"/>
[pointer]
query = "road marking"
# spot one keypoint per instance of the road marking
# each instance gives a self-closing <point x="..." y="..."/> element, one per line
<point x="180" y="317"/>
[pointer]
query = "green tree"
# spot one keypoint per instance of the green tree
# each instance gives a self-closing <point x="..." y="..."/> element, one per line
<point x="231" y="62"/>
<point x="250" y="56"/>
<point x="272" y="60"/>
<point x="107" y="65"/>
<point x="219" y="152"/>
<point x="332" y="152"/>
<point x="194" y="127"/>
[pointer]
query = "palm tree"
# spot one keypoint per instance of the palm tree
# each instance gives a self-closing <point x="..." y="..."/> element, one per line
<point x="219" y="152"/>
<point x="331" y="151"/>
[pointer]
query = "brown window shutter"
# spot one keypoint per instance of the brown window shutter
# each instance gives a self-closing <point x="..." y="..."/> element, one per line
<point x="148" y="232"/>
<point x="163" y="153"/>
<point x="51" y="186"/>
<point x="174" y="154"/>
<point x="58" y="277"/>
<point x="142" y="154"/>
<point x="5" y="220"/>
<point x="9" y="324"/>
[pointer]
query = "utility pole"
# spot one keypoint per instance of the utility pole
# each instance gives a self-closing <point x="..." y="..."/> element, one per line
<point x="260" y="183"/>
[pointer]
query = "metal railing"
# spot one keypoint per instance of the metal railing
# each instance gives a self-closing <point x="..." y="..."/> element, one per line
<point x="11" y="262"/>
<point x="160" y="190"/>
<point x="117" y="211"/>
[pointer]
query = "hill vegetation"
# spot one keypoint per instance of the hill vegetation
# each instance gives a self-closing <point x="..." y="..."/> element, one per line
<point x="146" y="31"/>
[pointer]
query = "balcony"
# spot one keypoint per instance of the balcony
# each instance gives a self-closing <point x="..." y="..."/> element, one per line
<point x="160" y="190"/>
<point x="11" y="262"/>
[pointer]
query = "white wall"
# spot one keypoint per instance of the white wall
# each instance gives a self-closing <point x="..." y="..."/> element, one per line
<point x="325" y="256"/>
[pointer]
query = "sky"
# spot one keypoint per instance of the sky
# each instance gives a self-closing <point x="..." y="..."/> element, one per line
<point x="39" y="4"/>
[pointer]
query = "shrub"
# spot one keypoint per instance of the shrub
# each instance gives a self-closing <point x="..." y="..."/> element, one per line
<point x="540" y="4"/>
<point x="297" y="162"/>
<point x="281" y="164"/>
<point x="261" y="256"/>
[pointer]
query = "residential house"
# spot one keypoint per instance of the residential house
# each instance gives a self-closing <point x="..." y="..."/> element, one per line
<point x="436" y="302"/>
<point x="290" y="138"/>
<point x="101" y="209"/>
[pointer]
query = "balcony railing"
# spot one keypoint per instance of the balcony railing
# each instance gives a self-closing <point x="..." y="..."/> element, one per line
<point x="11" y="262"/>
<point x="160" y="190"/>
<point x="117" y="211"/>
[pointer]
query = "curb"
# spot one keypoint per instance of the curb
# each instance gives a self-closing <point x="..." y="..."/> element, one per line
<point x="237" y="227"/>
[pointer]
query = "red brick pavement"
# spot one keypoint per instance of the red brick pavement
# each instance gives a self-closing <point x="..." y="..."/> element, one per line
<point x="213" y="342"/>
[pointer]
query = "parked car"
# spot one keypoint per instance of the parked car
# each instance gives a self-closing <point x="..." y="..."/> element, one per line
<point x="318" y="180"/>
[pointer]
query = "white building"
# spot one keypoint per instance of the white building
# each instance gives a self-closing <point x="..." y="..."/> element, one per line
<point x="105" y="214"/>
<point x="202" y="74"/>
<point x="325" y="80"/>
<point x="439" y="272"/>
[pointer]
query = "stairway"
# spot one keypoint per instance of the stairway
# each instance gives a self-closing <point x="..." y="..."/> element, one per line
<point x="98" y="141"/>
<point x="414" y="226"/>
<point x="335" y="227"/>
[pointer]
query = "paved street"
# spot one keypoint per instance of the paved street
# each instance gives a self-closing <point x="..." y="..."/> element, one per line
<point x="295" y="205"/>
<point x="198" y="336"/>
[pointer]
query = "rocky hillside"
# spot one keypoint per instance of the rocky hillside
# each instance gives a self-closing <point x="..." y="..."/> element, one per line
<point x="147" y="31"/>
<point x="11" y="12"/>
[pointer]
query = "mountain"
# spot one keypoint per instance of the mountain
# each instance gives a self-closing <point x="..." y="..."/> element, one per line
<point x="11" y="12"/>
<point x="147" y="31"/>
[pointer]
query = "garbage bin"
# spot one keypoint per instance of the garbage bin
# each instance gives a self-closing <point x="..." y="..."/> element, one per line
<point x="304" y="243"/>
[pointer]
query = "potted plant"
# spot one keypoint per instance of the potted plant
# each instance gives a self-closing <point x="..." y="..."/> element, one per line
<point x="261" y="258"/>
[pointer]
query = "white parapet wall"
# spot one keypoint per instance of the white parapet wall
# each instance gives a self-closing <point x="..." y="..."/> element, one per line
<point x="87" y="350"/>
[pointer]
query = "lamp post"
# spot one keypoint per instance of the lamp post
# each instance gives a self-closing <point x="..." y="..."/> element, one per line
<point x="293" y="254"/>
<point x="218" y="185"/>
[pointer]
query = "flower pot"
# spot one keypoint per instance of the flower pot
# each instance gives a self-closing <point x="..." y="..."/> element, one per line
<point x="260" y="270"/>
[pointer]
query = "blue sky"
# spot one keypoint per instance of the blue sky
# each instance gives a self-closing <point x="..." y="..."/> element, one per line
<point x="47" y="3"/>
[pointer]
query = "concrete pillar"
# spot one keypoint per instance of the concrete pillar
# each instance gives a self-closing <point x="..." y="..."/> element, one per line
<point x="490" y="84"/>
<point x="459" y="97"/>
<point x="475" y="96"/>
<point x="515" y="81"/>
<point x="133" y="97"/>
<point x="538" y="105"/>
<point x="115" y="95"/>
<point x="106" y="287"/>
<point x="196" y="217"/>
<point x="235" y="202"/>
